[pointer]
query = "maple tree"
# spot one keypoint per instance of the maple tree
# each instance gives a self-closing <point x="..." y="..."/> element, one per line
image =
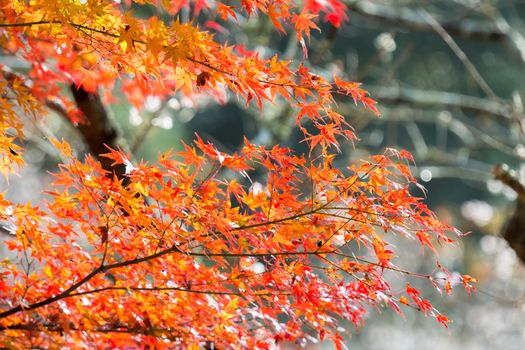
<point x="180" y="253"/>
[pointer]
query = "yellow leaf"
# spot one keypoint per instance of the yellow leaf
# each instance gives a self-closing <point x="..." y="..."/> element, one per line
<point x="47" y="271"/>
<point x="193" y="346"/>
<point x="404" y="300"/>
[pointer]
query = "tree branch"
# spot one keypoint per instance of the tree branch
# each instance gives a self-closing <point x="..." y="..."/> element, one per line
<point x="473" y="71"/>
<point x="510" y="178"/>
<point x="429" y="98"/>
<point x="409" y="19"/>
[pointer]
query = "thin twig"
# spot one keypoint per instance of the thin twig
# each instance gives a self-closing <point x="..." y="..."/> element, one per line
<point x="459" y="53"/>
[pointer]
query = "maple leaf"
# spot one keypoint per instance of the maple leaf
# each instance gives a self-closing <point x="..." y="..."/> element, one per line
<point x="303" y="24"/>
<point x="130" y="32"/>
<point x="425" y="239"/>
<point x="226" y="11"/>
<point x="443" y="320"/>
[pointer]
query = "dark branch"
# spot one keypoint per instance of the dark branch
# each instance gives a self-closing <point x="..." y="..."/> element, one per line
<point x="98" y="130"/>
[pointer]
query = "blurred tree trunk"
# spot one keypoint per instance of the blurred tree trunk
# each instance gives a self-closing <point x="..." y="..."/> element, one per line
<point x="514" y="229"/>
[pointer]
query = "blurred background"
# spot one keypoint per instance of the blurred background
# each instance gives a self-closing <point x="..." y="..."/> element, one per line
<point x="449" y="76"/>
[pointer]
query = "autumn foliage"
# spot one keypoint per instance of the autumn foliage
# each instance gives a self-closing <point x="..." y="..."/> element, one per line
<point x="182" y="253"/>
